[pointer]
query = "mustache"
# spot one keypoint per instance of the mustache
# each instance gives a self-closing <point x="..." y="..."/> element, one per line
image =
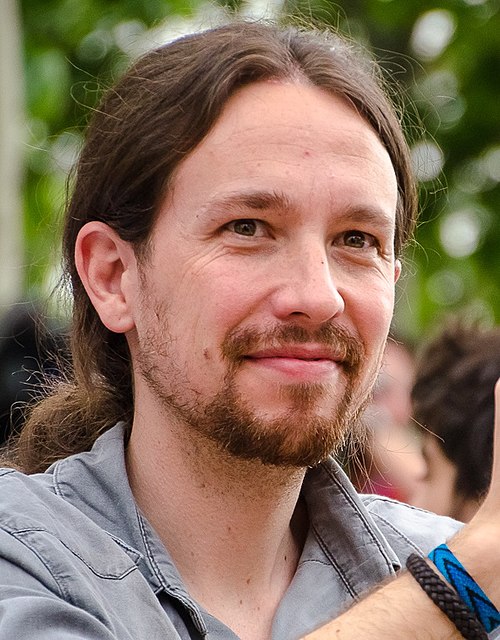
<point x="240" y="342"/>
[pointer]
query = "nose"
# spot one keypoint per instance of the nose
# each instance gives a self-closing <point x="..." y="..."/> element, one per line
<point x="309" y="289"/>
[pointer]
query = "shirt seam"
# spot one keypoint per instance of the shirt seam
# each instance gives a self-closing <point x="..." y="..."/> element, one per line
<point x="369" y="500"/>
<point x="61" y="590"/>
<point x="172" y="591"/>
<point x="134" y="554"/>
<point x="398" y="532"/>
<point x="105" y="576"/>
<point x="352" y="591"/>
<point x="360" y="516"/>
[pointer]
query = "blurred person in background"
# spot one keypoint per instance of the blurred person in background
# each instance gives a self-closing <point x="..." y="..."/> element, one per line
<point x="453" y="403"/>
<point x="27" y="357"/>
<point x="391" y="462"/>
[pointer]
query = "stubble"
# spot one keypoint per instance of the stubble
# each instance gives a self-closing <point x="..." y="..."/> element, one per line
<point x="302" y="436"/>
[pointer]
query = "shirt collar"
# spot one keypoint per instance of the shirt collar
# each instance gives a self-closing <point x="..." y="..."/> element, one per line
<point x="344" y="528"/>
<point x="96" y="483"/>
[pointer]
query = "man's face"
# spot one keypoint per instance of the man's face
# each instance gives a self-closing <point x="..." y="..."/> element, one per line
<point x="264" y="304"/>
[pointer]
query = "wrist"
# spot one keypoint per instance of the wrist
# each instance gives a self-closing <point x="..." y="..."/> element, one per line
<point x="476" y="547"/>
<point x="465" y="587"/>
<point x="463" y="617"/>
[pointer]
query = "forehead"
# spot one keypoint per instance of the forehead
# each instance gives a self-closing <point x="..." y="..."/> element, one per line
<point x="289" y="136"/>
<point x="285" y="103"/>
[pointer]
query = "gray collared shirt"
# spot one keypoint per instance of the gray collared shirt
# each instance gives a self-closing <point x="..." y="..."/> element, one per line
<point x="78" y="560"/>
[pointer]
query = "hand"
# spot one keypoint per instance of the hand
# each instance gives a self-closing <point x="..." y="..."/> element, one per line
<point x="477" y="545"/>
<point x="492" y="501"/>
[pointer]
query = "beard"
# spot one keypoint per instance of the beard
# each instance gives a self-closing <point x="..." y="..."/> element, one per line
<point x="301" y="436"/>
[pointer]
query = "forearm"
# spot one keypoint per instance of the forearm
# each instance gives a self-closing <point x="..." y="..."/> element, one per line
<point x="399" y="610"/>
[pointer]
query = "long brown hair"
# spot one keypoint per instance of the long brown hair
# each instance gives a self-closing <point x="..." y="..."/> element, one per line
<point x="159" y="112"/>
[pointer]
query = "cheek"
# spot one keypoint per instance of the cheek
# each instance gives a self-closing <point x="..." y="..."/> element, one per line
<point x="426" y="498"/>
<point x="235" y="300"/>
<point x="371" y="313"/>
<point x="210" y="310"/>
<point x="437" y="497"/>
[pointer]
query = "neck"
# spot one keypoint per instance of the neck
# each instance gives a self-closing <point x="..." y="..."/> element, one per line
<point x="463" y="509"/>
<point x="234" y="528"/>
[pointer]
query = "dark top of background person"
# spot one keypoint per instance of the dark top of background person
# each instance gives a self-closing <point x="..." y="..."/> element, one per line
<point x="30" y="351"/>
<point x="453" y="398"/>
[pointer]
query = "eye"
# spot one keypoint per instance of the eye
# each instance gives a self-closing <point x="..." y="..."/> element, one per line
<point x="357" y="239"/>
<point x="245" y="227"/>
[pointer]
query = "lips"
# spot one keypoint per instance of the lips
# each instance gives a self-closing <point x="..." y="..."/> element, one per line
<point x="297" y="352"/>
<point x="296" y="363"/>
<point x="330" y="344"/>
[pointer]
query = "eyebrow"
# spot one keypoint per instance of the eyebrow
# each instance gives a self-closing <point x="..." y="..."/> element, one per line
<point x="255" y="200"/>
<point x="369" y="214"/>
<point x="265" y="200"/>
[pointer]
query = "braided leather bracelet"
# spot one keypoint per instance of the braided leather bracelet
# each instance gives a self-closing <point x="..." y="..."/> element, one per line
<point x="457" y="576"/>
<point x="446" y="599"/>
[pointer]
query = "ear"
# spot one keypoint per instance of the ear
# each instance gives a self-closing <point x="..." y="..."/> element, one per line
<point x="397" y="270"/>
<point x="107" y="267"/>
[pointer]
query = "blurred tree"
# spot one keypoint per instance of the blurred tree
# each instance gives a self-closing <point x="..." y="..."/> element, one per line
<point x="446" y="55"/>
<point x="11" y="108"/>
<point x="73" y="50"/>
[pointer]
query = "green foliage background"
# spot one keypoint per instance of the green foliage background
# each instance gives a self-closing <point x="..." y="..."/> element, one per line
<point x="75" y="48"/>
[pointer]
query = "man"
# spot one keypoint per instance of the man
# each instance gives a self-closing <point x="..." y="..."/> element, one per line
<point x="231" y="244"/>
<point x="453" y="402"/>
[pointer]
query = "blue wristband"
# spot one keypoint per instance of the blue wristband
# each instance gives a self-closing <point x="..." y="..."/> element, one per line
<point x="466" y="587"/>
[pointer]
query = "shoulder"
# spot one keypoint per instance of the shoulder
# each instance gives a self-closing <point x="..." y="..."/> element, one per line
<point x="409" y="529"/>
<point x="38" y="523"/>
<point x="56" y="563"/>
<point x="61" y="498"/>
<point x="30" y="502"/>
<point x="24" y="498"/>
